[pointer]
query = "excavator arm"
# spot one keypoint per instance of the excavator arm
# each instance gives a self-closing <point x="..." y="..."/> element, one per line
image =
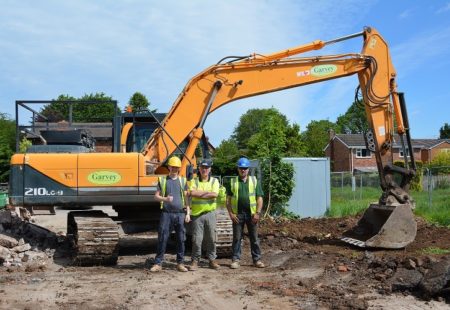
<point x="257" y="74"/>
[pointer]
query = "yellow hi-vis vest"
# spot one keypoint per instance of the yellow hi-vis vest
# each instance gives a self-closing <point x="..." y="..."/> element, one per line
<point x="202" y="205"/>
<point x="162" y="184"/>
<point x="251" y="193"/>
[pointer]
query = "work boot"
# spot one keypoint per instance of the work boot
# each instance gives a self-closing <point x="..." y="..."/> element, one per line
<point x="234" y="264"/>
<point x="259" y="264"/>
<point x="181" y="268"/>
<point x="193" y="266"/>
<point x="214" y="265"/>
<point x="156" y="268"/>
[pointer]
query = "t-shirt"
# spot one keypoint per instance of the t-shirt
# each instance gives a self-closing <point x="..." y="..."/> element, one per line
<point x="173" y="189"/>
<point x="243" y="190"/>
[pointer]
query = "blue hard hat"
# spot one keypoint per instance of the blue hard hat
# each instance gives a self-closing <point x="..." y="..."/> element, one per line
<point x="243" y="162"/>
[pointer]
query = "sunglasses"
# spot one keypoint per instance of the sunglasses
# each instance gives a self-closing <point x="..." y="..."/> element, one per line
<point x="243" y="168"/>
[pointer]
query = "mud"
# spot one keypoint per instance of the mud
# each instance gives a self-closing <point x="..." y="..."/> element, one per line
<point x="308" y="267"/>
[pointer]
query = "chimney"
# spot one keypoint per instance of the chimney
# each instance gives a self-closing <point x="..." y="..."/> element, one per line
<point x="331" y="133"/>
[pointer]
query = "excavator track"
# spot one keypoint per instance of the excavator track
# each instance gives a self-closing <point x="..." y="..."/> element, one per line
<point x="94" y="238"/>
<point x="224" y="234"/>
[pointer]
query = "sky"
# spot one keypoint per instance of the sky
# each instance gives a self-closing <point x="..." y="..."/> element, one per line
<point x="119" y="47"/>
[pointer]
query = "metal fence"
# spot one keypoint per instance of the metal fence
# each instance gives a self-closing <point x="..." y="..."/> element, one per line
<point x="365" y="185"/>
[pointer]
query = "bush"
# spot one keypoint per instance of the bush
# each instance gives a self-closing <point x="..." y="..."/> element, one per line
<point x="416" y="182"/>
<point x="277" y="184"/>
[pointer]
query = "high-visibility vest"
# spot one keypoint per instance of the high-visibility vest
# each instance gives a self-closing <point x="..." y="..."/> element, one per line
<point x="252" y="182"/>
<point x="201" y="205"/>
<point x="162" y="184"/>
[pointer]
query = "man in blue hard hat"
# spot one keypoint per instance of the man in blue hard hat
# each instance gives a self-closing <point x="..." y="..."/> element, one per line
<point x="244" y="204"/>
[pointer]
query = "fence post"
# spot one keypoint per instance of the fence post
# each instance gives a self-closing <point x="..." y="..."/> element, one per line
<point x="430" y="187"/>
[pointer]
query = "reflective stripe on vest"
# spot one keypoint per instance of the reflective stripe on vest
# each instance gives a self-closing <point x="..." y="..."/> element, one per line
<point x="201" y="205"/>
<point x="251" y="193"/>
<point x="162" y="184"/>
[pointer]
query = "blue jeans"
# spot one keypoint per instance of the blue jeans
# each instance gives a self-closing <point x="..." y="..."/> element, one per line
<point x="167" y="223"/>
<point x="246" y="219"/>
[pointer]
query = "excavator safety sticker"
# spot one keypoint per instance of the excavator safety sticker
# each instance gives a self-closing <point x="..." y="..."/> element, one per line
<point x="304" y="73"/>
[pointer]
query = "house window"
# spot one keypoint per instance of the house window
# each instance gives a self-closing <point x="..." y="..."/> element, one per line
<point x="363" y="153"/>
<point x="402" y="154"/>
<point x="445" y="150"/>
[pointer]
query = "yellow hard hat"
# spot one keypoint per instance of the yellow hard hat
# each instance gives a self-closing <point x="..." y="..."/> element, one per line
<point x="174" y="162"/>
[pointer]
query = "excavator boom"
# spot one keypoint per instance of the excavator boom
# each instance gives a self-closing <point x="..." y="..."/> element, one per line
<point x="259" y="74"/>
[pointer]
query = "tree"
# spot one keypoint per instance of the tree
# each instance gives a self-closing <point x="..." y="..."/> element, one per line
<point x="444" y="132"/>
<point x="95" y="111"/>
<point x="275" y="140"/>
<point x="353" y="121"/>
<point x="270" y="140"/>
<point x="225" y="158"/>
<point x="7" y="144"/>
<point x="139" y="102"/>
<point x="286" y="137"/>
<point x="250" y="123"/>
<point x="316" y="137"/>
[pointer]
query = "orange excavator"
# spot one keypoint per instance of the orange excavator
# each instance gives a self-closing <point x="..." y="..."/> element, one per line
<point x="128" y="181"/>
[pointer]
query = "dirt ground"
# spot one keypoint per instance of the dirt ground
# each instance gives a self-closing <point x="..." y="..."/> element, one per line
<point x="308" y="267"/>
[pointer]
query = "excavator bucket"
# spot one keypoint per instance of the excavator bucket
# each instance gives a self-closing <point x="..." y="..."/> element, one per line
<point x="390" y="227"/>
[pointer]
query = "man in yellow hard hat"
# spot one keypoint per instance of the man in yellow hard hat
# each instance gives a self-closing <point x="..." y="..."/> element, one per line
<point x="171" y="192"/>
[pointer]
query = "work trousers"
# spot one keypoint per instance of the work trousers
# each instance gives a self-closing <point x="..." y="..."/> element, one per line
<point x="238" y="229"/>
<point x="167" y="223"/>
<point x="204" y="233"/>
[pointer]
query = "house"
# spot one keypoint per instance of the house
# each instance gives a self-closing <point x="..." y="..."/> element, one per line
<point x="348" y="152"/>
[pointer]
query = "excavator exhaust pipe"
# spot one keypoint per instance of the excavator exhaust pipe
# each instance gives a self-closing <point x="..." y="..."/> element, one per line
<point x="389" y="227"/>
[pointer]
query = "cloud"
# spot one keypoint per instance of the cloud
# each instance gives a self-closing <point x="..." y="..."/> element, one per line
<point x="77" y="47"/>
<point x="443" y="9"/>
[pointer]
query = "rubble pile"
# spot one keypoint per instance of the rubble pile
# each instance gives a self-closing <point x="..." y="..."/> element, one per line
<point x="426" y="278"/>
<point x="23" y="244"/>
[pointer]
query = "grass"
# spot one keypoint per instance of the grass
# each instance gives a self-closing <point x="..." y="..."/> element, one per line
<point x="433" y="250"/>
<point x="344" y="202"/>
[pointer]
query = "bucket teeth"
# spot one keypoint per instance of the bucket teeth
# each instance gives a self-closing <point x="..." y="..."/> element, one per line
<point x="354" y="242"/>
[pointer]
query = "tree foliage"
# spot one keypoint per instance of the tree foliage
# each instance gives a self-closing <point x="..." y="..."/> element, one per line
<point x="7" y="144"/>
<point x="317" y="136"/>
<point x="353" y="121"/>
<point x="444" y="131"/>
<point x="278" y="183"/>
<point x="97" y="110"/>
<point x="139" y="102"/>
<point x="266" y="135"/>
<point x="225" y="158"/>
<point x="441" y="161"/>
<point x="262" y="132"/>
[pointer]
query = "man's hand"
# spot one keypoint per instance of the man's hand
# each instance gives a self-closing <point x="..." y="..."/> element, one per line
<point x="187" y="218"/>
<point x="169" y="198"/>
<point x="255" y="218"/>
<point x="233" y="217"/>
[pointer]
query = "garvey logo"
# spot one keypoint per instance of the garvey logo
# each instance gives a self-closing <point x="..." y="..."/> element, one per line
<point x="323" y="70"/>
<point x="104" y="177"/>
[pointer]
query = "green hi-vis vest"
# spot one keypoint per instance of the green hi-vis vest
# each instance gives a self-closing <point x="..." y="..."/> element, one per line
<point x="251" y="193"/>
<point x="162" y="184"/>
<point x="201" y="205"/>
